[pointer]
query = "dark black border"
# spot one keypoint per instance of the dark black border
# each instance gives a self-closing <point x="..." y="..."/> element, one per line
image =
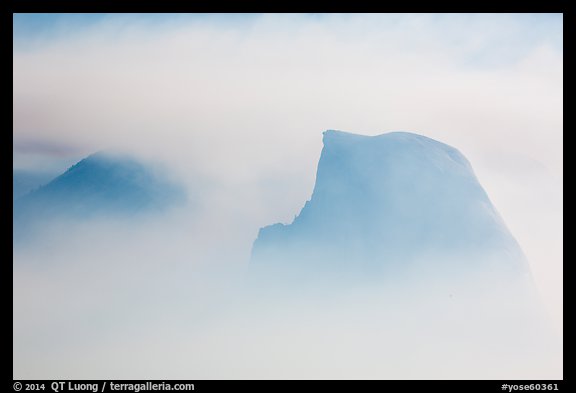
<point x="316" y="386"/>
<point x="166" y="6"/>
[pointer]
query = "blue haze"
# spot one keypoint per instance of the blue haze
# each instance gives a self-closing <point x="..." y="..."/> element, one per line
<point x="25" y="181"/>
<point x="101" y="185"/>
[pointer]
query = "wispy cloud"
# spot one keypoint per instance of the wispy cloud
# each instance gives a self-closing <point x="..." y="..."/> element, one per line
<point x="46" y="147"/>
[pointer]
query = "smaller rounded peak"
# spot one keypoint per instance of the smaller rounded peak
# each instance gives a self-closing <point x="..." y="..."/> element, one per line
<point x="109" y="155"/>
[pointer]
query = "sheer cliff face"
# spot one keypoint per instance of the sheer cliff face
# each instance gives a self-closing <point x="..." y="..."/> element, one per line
<point x="392" y="203"/>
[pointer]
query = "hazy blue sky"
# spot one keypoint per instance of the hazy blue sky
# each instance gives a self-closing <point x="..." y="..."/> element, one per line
<point x="380" y="67"/>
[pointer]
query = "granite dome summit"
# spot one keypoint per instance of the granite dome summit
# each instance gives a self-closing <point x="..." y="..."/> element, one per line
<point x="391" y="204"/>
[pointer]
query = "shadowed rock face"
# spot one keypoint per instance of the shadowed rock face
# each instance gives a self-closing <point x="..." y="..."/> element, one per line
<point x="101" y="185"/>
<point x="388" y="205"/>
